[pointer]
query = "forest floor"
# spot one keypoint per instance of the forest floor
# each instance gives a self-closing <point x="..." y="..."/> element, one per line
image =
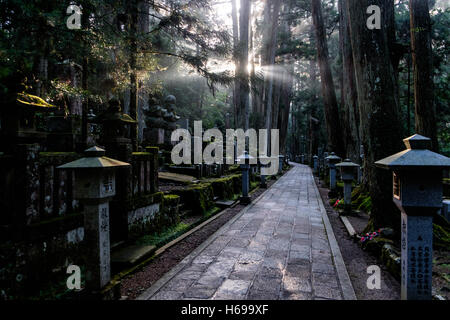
<point x="357" y="260"/>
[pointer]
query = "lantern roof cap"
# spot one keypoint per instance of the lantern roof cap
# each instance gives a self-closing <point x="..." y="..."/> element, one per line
<point x="416" y="155"/>
<point x="245" y="156"/>
<point x="347" y="163"/>
<point x="94" y="159"/>
<point x="333" y="156"/>
<point x="242" y="159"/>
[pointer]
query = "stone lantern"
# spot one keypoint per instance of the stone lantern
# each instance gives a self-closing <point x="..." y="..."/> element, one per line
<point x="244" y="161"/>
<point x="280" y="164"/>
<point x="316" y="164"/>
<point x="95" y="186"/>
<point x="347" y="175"/>
<point x="325" y="156"/>
<point x="417" y="192"/>
<point x="333" y="159"/>
<point x="115" y="127"/>
<point x="263" y="183"/>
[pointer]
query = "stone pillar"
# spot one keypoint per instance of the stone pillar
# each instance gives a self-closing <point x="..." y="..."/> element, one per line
<point x="96" y="230"/>
<point x="359" y="175"/>
<point x="263" y="183"/>
<point x="347" y="173"/>
<point x="280" y="164"/>
<point x="332" y="177"/>
<point x="245" y="160"/>
<point x="245" y="199"/>
<point x="417" y="252"/>
<point x="417" y="192"/>
<point x="446" y="209"/>
<point x="332" y="159"/>
<point x="347" y="196"/>
<point x="154" y="168"/>
<point x="316" y="165"/>
<point x="95" y="186"/>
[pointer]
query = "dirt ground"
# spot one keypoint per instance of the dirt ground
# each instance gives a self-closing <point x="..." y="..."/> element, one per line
<point x="357" y="261"/>
<point x="135" y="284"/>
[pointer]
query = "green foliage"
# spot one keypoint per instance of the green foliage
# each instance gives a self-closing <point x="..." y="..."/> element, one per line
<point x="361" y="201"/>
<point x="34" y="35"/>
<point x="441" y="237"/>
<point x="440" y="43"/>
<point x="158" y="238"/>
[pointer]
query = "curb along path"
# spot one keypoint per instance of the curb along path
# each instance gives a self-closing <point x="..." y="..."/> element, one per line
<point x="280" y="247"/>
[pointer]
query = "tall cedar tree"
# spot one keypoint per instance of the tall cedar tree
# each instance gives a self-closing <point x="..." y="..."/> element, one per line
<point x="335" y="140"/>
<point x="349" y="97"/>
<point x="379" y="106"/>
<point x="244" y="89"/>
<point x="422" y="56"/>
<point x="236" y="94"/>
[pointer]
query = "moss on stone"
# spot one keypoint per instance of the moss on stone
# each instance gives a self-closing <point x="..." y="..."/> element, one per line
<point x="366" y="205"/>
<point x="152" y="149"/>
<point x="361" y="200"/>
<point x="441" y="237"/>
<point x="171" y="200"/>
<point x="143" y="201"/>
<point x="57" y="158"/>
<point x="375" y="245"/>
<point x="391" y="259"/>
<point x="223" y="188"/>
<point x="198" y="198"/>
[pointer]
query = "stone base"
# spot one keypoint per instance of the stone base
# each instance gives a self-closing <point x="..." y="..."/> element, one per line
<point x="348" y="212"/>
<point x="332" y="194"/>
<point x="245" y="200"/>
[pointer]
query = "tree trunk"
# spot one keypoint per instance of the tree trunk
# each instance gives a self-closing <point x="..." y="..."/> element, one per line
<point x="133" y="13"/>
<point x="236" y="94"/>
<point x="270" y="44"/>
<point x="422" y="56"/>
<point x="379" y="108"/>
<point x="244" y="19"/>
<point x="314" y="103"/>
<point x="349" y="95"/>
<point x="408" y="96"/>
<point x="335" y="139"/>
<point x="286" y="87"/>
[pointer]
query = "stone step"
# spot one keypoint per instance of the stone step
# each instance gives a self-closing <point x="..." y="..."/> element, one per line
<point x="223" y="204"/>
<point x="176" y="177"/>
<point x="130" y="255"/>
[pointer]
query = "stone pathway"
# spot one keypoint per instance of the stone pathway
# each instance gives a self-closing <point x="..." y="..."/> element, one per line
<point x="280" y="247"/>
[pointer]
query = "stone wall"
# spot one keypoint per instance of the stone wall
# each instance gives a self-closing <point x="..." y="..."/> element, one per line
<point x="41" y="225"/>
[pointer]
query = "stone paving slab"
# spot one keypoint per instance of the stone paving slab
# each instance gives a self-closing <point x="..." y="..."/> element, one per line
<point x="280" y="247"/>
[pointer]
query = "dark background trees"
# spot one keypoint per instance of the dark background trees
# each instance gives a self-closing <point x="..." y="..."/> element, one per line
<point x="307" y="67"/>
